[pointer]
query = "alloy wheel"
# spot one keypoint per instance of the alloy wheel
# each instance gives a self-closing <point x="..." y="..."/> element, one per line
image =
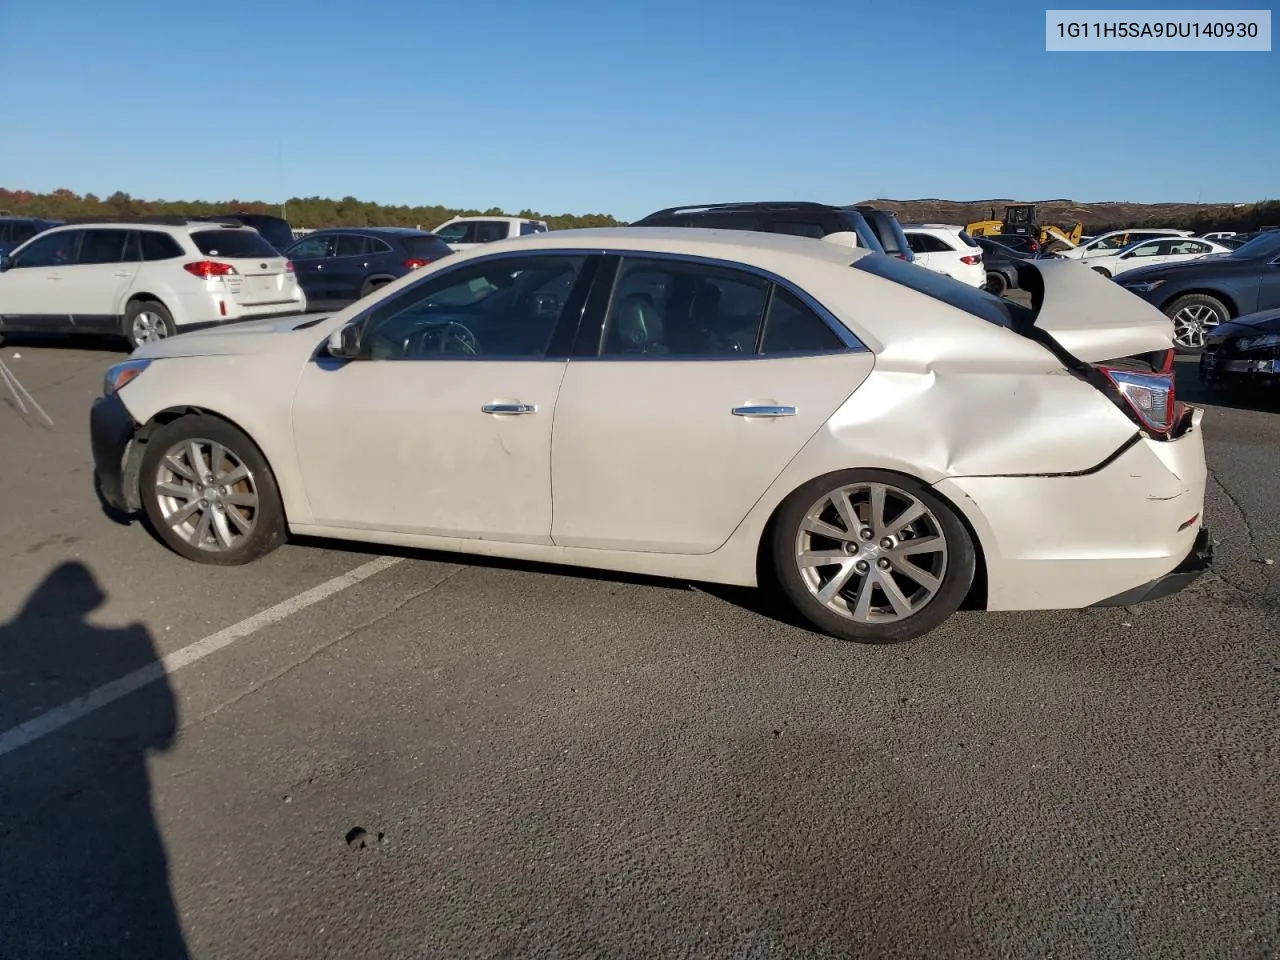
<point x="871" y="552"/>
<point x="1192" y="323"/>
<point x="207" y="495"/>
<point x="149" y="326"/>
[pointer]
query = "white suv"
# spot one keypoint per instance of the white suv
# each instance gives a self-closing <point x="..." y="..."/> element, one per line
<point x="144" y="279"/>
<point x="947" y="249"/>
<point x="463" y="233"/>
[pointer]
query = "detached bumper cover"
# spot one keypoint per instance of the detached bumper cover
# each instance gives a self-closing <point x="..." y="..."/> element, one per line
<point x="1193" y="565"/>
<point x="111" y="432"/>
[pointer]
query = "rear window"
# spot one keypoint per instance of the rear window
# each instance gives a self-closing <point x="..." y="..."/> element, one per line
<point x="971" y="300"/>
<point x="968" y="240"/>
<point x="426" y="248"/>
<point x="232" y="243"/>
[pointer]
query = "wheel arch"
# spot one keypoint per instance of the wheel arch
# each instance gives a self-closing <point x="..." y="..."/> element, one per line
<point x="1233" y="307"/>
<point x="976" y="599"/>
<point x="138" y="446"/>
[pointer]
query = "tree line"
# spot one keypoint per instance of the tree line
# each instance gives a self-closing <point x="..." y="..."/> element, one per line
<point x="303" y="212"/>
<point x="1244" y="218"/>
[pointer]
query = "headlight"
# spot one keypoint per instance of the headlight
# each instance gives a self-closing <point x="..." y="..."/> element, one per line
<point x="1142" y="286"/>
<point x="1267" y="341"/>
<point x="122" y="373"/>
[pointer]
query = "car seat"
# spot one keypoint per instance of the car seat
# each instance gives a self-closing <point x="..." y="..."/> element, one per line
<point x="637" y="327"/>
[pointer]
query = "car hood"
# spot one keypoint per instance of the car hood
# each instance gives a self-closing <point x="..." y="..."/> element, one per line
<point x="1267" y="321"/>
<point x="255" y="336"/>
<point x="1091" y="316"/>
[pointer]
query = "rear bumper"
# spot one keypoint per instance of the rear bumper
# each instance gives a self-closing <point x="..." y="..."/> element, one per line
<point x="111" y="433"/>
<point x="1196" y="562"/>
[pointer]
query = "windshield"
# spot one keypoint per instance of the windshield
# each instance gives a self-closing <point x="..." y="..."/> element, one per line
<point x="1263" y="245"/>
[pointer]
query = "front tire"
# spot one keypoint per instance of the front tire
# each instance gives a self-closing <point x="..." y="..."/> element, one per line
<point x="872" y="556"/>
<point x="146" y="321"/>
<point x="1193" y="317"/>
<point x="209" y="494"/>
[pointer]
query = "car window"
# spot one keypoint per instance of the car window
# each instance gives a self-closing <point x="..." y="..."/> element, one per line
<point x="352" y="245"/>
<point x="967" y="240"/>
<point x="454" y="233"/>
<point x="22" y="232"/>
<point x="1183" y="247"/>
<point x="102" y="246"/>
<point x="316" y="247"/>
<point x="927" y="243"/>
<point x="505" y="307"/>
<point x="528" y="228"/>
<point x="52" y="250"/>
<point x="665" y="308"/>
<point x="426" y="248"/>
<point x="979" y="303"/>
<point x="791" y="327"/>
<point x="856" y="223"/>
<point x="1149" y="249"/>
<point x="158" y="246"/>
<point x="232" y="243"/>
<point x="487" y="231"/>
<point x="377" y="245"/>
<point x="797" y="228"/>
<point x="1114" y="242"/>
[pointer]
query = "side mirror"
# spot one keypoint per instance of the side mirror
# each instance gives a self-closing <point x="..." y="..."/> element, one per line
<point x="5" y="263"/>
<point x="344" y="343"/>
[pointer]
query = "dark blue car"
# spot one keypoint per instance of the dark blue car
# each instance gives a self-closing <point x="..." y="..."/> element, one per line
<point x="340" y="265"/>
<point x="18" y="230"/>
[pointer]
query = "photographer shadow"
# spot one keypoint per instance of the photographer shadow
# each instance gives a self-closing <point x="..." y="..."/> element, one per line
<point x="83" y="868"/>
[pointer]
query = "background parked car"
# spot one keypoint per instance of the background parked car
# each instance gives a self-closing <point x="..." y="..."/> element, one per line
<point x="18" y="230"/>
<point x="1001" y="265"/>
<point x="145" y="279"/>
<point x="796" y="218"/>
<point x="1108" y="243"/>
<point x="1019" y="243"/>
<point x="1203" y="293"/>
<point x="463" y="233"/>
<point x="1148" y="253"/>
<point x="947" y="249"/>
<point x="1244" y="352"/>
<point x="342" y="264"/>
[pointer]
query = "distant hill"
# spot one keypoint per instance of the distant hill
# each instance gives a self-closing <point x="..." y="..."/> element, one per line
<point x="1095" y="216"/>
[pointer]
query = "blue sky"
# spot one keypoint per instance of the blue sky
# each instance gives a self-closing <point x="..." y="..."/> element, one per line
<point x="617" y="107"/>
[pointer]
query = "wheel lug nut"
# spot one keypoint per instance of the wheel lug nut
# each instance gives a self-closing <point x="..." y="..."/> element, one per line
<point x="861" y="566"/>
<point x="886" y="543"/>
<point x="882" y="563"/>
<point x="866" y="533"/>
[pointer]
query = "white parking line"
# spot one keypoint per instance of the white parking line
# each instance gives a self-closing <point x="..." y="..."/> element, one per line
<point x="99" y="697"/>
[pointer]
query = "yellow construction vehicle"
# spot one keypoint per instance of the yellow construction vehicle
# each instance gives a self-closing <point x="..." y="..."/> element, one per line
<point x="1021" y="219"/>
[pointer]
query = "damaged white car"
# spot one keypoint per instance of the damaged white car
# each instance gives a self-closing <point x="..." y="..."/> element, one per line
<point x="883" y="442"/>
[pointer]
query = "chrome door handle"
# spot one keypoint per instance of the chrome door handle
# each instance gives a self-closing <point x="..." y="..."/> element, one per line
<point x="764" y="411"/>
<point x="509" y="409"/>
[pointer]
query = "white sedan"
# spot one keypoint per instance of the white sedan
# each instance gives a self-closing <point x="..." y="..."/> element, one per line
<point x="1148" y="253"/>
<point x="883" y="441"/>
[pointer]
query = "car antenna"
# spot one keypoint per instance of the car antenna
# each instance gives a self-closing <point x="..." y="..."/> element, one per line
<point x="21" y="396"/>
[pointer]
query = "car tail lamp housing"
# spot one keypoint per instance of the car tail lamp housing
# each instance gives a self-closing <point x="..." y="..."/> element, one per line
<point x="206" y="269"/>
<point x="972" y="259"/>
<point x="1149" y="395"/>
<point x="413" y="263"/>
<point x="288" y="266"/>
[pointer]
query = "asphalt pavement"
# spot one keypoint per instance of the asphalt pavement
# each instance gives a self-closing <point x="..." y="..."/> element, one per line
<point x="349" y="753"/>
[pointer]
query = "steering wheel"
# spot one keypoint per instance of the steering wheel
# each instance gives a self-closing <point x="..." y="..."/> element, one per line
<point x="449" y="337"/>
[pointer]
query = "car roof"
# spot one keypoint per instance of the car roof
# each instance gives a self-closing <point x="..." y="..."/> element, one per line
<point x="383" y="231"/>
<point x="747" y="246"/>
<point x="933" y="226"/>
<point x="503" y="218"/>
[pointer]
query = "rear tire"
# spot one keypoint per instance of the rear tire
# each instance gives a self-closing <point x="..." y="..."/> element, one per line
<point x="146" y="321"/>
<point x="372" y="286"/>
<point x="208" y="493"/>
<point x="997" y="284"/>
<point x="856" y="571"/>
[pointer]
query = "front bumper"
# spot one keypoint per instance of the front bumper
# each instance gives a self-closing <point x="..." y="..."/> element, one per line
<point x="1196" y="562"/>
<point x="1261" y="369"/>
<point x="111" y="434"/>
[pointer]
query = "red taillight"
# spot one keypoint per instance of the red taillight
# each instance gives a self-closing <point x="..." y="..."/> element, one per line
<point x="208" y="268"/>
<point x="1149" y="395"/>
<point x="413" y="263"/>
<point x="972" y="260"/>
<point x="901" y="256"/>
<point x="1035" y="247"/>
<point x="288" y="266"/>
